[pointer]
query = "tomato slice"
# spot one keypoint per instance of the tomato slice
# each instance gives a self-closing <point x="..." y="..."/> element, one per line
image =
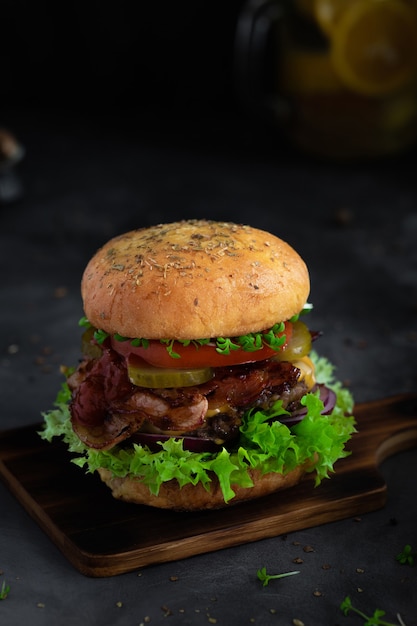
<point x="195" y="356"/>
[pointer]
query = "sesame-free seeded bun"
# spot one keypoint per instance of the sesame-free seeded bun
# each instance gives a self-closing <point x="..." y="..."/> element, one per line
<point x="193" y="279"/>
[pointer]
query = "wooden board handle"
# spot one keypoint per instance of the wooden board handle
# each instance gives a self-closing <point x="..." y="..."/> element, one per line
<point x="391" y="426"/>
<point x="104" y="537"/>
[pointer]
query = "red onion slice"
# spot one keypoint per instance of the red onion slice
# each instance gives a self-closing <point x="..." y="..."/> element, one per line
<point x="192" y="444"/>
<point x="200" y="444"/>
<point x="327" y="396"/>
<point x="315" y="334"/>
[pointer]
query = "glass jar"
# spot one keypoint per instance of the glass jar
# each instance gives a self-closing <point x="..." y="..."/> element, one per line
<point x="338" y="76"/>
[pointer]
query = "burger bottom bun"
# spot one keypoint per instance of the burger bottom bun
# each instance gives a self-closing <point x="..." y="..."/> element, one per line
<point x="196" y="497"/>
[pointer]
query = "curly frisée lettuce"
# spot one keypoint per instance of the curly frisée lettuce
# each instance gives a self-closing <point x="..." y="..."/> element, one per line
<point x="265" y="444"/>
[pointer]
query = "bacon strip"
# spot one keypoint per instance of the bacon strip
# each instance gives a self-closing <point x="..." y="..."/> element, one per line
<point x="107" y="408"/>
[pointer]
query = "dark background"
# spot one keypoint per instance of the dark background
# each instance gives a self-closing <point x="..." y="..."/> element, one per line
<point x="175" y="57"/>
<point x="129" y="115"/>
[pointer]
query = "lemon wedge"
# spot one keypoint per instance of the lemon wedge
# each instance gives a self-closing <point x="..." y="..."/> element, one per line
<point x="327" y="13"/>
<point x="374" y="46"/>
<point x="307" y="72"/>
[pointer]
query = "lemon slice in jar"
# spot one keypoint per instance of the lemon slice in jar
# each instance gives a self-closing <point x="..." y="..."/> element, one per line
<point x="327" y="13"/>
<point x="308" y="72"/>
<point x="374" y="46"/>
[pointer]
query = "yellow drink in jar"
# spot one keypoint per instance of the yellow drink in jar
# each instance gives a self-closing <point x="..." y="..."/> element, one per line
<point x="355" y="93"/>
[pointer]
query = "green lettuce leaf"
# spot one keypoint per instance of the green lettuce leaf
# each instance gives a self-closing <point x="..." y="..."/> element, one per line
<point x="265" y="444"/>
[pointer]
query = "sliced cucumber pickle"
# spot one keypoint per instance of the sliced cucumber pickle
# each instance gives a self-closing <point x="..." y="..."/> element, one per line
<point x="88" y="346"/>
<point x="299" y="344"/>
<point x="144" y="375"/>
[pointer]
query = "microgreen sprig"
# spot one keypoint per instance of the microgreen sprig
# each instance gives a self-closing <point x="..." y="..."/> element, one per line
<point x="100" y="336"/>
<point x="406" y="557"/>
<point x="119" y="337"/>
<point x="272" y="339"/>
<point x="266" y="578"/>
<point x="4" y="590"/>
<point x="224" y="345"/>
<point x="84" y="322"/>
<point x="251" y="342"/>
<point x="140" y="341"/>
<point x="169" y="344"/>
<point x="369" y="620"/>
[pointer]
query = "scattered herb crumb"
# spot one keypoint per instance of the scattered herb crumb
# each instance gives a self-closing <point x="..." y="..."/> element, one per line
<point x="60" y="292"/>
<point x="166" y="611"/>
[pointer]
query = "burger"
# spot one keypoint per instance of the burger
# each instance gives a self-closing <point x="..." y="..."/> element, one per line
<point x="198" y="386"/>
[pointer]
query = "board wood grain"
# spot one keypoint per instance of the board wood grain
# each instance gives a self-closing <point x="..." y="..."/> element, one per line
<point x="101" y="536"/>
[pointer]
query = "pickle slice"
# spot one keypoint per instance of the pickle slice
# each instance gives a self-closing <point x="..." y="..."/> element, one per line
<point x="88" y="346"/>
<point x="144" y="375"/>
<point x="299" y="344"/>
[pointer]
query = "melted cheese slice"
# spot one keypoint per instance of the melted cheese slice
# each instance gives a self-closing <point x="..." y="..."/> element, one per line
<point x="307" y="371"/>
<point x="307" y="374"/>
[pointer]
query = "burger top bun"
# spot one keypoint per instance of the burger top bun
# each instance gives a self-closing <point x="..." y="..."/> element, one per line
<point x="193" y="279"/>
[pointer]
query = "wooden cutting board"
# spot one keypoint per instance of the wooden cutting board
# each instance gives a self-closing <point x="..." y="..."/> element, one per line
<point x="104" y="537"/>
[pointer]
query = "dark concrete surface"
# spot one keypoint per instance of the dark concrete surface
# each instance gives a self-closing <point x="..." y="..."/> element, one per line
<point x="355" y="224"/>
